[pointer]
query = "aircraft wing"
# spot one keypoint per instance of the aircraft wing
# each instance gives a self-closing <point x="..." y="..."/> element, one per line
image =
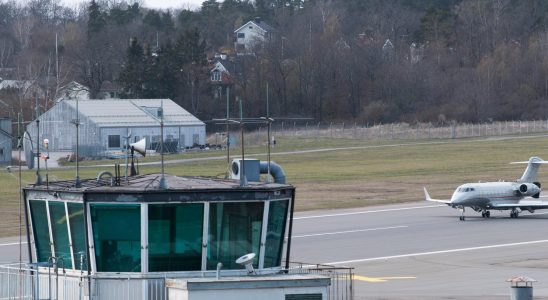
<point x="523" y="204"/>
<point x="427" y="196"/>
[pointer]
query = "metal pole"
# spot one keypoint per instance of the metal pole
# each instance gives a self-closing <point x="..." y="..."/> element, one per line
<point x="243" y="181"/>
<point x="268" y="133"/>
<point x="227" y="131"/>
<point x="38" y="177"/>
<point x="77" y="182"/>
<point x="162" y="179"/>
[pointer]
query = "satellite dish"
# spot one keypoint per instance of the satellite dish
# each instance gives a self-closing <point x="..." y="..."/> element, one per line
<point x="29" y="151"/>
<point x="247" y="261"/>
<point x="139" y="147"/>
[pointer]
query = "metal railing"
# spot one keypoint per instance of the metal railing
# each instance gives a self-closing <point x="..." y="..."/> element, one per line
<point x="342" y="278"/>
<point x="47" y="281"/>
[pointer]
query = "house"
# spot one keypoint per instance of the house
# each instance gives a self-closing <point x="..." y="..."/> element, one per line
<point x="109" y="90"/>
<point x="5" y="141"/>
<point x="105" y="124"/>
<point x="22" y="88"/>
<point x="251" y="35"/>
<point x="221" y="71"/>
<point x="73" y="90"/>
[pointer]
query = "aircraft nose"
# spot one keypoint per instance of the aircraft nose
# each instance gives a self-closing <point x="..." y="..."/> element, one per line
<point x="456" y="200"/>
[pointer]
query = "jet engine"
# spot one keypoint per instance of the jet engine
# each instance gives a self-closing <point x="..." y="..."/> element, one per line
<point x="529" y="189"/>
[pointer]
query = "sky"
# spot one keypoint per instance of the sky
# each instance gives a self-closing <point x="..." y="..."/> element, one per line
<point x="193" y="4"/>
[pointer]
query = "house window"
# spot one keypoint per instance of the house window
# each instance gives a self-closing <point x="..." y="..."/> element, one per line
<point x="241" y="35"/>
<point x="1" y="151"/>
<point x="250" y="27"/>
<point x="216" y="75"/>
<point x="114" y="141"/>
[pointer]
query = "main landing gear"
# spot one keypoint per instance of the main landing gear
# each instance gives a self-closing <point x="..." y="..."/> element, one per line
<point x="485" y="214"/>
<point x="514" y="213"/>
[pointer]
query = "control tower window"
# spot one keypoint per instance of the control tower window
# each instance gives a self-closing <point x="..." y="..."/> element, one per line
<point x="117" y="237"/>
<point x="176" y="244"/>
<point x="40" y="230"/>
<point x="277" y="217"/>
<point x="59" y="230"/>
<point x="234" y="230"/>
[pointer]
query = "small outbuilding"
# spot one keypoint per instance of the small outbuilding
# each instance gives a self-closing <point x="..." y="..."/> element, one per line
<point x="5" y="141"/>
<point x="104" y="125"/>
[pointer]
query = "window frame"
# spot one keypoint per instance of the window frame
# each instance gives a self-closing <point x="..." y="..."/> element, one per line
<point x="110" y="141"/>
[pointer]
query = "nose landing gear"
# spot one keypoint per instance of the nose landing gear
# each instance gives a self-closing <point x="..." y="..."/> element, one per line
<point x="485" y="214"/>
<point x="462" y="218"/>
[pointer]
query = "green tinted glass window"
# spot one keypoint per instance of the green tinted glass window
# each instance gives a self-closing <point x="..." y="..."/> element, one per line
<point x="175" y="237"/>
<point x="40" y="230"/>
<point x="59" y="229"/>
<point x="117" y="237"/>
<point x="234" y="230"/>
<point x="277" y="218"/>
<point x="78" y="234"/>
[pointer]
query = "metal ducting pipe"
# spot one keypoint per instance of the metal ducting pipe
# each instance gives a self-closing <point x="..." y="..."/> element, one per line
<point x="276" y="171"/>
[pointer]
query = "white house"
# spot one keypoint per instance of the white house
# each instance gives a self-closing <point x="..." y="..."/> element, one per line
<point x="73" y="90"/>
<point x="250" y="35"/>
<point x="105" y="124"/>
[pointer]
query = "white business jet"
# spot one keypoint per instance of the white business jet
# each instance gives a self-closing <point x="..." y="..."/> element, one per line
<point x="516" y="196"/>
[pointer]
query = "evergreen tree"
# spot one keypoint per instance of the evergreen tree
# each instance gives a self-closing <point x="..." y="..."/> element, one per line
<point x="96" y="19"/>
<point x="132" y="75"/>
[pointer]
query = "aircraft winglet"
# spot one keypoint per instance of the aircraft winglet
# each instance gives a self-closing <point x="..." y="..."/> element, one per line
<point x="428" y="198"/>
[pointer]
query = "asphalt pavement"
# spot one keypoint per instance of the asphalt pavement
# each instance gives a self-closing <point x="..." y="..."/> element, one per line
<point x="423" y="251"/>
<point x="417" y="250"/>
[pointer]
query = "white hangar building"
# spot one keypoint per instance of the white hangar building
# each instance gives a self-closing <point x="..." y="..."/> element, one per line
<point x="105" y="124"/>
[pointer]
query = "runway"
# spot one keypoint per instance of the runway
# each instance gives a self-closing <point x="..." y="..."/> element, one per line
<point x="423" y="251"/>
<point x="417" y="250"/>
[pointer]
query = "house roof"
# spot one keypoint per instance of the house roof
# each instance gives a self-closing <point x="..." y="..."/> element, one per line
<point x="133" y="112"/>
<point x="15" y="84"/>
<point x="261" y="24"/>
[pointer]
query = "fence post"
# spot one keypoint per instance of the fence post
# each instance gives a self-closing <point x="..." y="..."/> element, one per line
<point x="306" y="129"/>
<point x="295" y="127"/>
<point x="331" y="129"/>
<point x="318" y="130"/>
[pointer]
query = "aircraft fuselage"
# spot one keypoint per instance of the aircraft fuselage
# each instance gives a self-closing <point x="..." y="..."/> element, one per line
<point x="491" y="194"/>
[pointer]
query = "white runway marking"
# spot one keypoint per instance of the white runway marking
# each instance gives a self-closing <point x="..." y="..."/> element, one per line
<point x="349" y="231"/>
<point x="436" y="252"/>
<point x="12" y="244"/>
<point x="367" y="212"/>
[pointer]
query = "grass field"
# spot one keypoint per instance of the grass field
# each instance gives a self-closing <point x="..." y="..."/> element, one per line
<point x="365" y="174"/>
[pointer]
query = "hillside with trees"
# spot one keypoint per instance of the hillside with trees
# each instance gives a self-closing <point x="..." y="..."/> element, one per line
<point x="365" y="61"/>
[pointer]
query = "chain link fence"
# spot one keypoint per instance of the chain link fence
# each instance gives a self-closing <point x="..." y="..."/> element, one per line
<point x="404" y="131"/>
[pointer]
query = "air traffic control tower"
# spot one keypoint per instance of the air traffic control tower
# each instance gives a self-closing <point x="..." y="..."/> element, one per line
<point x="128" y="237"/>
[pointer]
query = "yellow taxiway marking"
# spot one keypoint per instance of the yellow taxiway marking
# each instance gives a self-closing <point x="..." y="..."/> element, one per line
<point x="380" y="279"/>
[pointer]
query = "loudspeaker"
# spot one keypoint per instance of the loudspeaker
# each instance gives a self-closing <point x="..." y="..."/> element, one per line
<point x="140" y="147"/>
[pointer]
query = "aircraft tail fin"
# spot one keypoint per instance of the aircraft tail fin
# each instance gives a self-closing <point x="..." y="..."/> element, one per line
<point x="530" y="174"/>
<point x="428" y="198"/>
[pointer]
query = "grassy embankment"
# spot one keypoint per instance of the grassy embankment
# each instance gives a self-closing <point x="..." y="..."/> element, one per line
<point x="371" y="174"/>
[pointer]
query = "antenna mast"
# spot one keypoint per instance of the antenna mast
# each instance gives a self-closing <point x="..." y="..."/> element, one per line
<point x="162" y="179"/>
<point x="227" y="132"/>
<point x="38" y="176"/>
<point x="243" y="181"/>
<point x="77" y="182"/>
<point x="268" y="133"/>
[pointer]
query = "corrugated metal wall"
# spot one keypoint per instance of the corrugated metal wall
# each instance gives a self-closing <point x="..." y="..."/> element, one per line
<point x="56" y="125"/>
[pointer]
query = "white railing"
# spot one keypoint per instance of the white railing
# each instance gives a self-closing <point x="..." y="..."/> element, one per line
<point x="25" y="282"/>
